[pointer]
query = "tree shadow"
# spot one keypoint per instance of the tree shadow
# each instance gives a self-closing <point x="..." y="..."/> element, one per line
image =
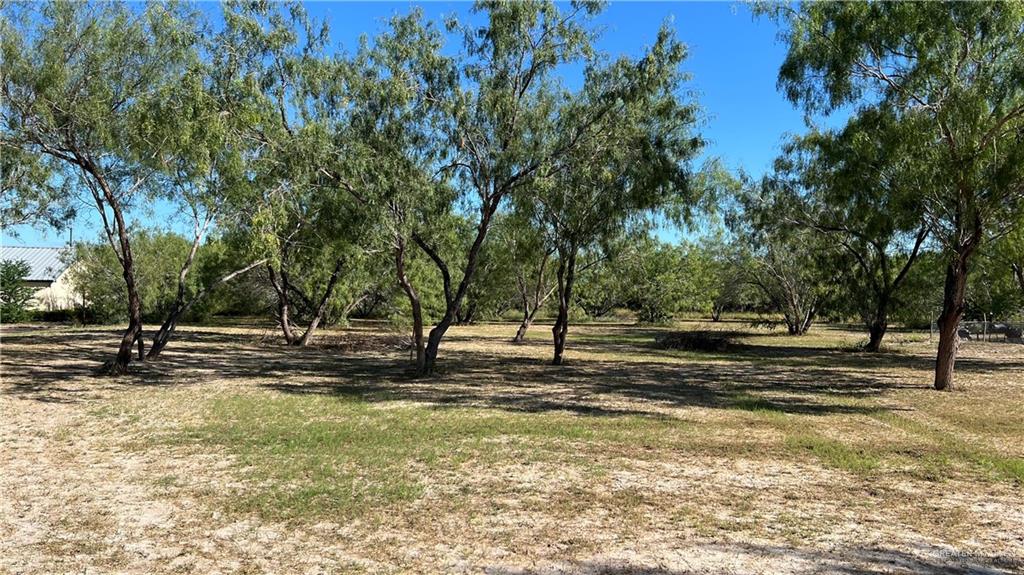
<point x="60" y="367"/>
<point x="726" y="558"/>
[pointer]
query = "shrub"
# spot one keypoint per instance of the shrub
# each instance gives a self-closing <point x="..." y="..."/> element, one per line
<point x="14" y="293"/>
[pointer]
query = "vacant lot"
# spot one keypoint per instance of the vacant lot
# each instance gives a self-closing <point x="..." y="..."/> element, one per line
<point x="237" y="455"/>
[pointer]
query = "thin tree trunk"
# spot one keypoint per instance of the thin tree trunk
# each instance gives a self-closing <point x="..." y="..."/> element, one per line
<point x="520" y="336"/>
<point x="283" y="305"/>
<point x="452" y="301"/>
<point x="566" y="277"/>
<point x="414" y="303"/>
<point x="530" y="311"/>
<point x="164" y="334"/>
<point x="321" y="309"/>
<point x="1018" y="272"/>
<point x="134" y="330"/>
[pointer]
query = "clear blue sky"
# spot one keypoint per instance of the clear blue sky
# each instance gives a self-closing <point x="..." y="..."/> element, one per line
<point x="733" y="59"/>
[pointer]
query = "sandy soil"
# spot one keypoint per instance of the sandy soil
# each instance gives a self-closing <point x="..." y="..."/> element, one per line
<point x="81" y="493"/>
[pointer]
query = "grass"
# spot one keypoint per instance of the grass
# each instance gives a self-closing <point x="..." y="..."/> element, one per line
<point x="304" y="457"/>
<point x="786" y="440"/>
<point x="835" y="454"/>
<point x="339" y="457"/>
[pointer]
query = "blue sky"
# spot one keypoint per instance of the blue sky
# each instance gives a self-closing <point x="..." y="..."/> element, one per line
<point x="733" y="60"/>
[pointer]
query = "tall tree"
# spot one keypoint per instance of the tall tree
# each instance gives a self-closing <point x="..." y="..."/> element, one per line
<point x="636" y="162"/>
<point x="403" y="92"/>
<point x="79" y="84"/>
<point x="952" y="71"/>
<point x="502" y="132"/>
<point x="308" y="220"/>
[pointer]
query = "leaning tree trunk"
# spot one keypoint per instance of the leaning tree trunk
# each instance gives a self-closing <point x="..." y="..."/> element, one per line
<point x="133" y="333"/>
<point x="528" y="316"/>
<point x="566" y="277"/>
<point x="949" y="322"/>
<point x="529" y="313"/>
<point x="180" y="309"/>
<point x="414" y="303"/>
<point x="321" y="309"/>
<point x="280" y="285"/>
<point x="453" y="302"/>
<point x="434" y="343"/>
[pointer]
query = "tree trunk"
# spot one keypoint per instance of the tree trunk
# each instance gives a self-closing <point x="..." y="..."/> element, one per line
<point x="178" y="309"/>
<point x="716" y="313"/>
<point x="566" y="277"/>
<point x="520" y="336"/>
<point x="879" y="324"/>
<point x="283" y="305"/>
<point x="164" y="334"/>
<point x="321" y="309"/>
<point x="876" y="332"/>
<point x="453" y="302"/>
<point x="529" y="312"/>
<point x="434" y="344"/>
<point x="1018" y="272"/>
<point x="466" y="317"/>
<point x="134" y="329"/>
<point x="949" y="321"/>
<point x="414" y="302"/>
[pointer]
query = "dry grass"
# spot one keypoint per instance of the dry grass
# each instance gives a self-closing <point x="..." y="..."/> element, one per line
<point x="237" y="455"/>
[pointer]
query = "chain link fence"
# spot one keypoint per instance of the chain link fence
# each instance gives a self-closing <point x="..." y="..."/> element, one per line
<point x="1008" y="331"/>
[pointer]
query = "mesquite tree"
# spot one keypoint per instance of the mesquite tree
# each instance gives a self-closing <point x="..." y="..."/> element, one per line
<point x="789" y="265"/>
<point x="954" y="74"/>
<point x="79" y="84"/>
<point x="502" y="131"/>
<point x="634" y="160"/>
<point x="402" y="92"/>
<point x="859" y="188"/>
<point x="529" y="255"/>
<point x="203" y="170"/>
<point x="307" y="221"/>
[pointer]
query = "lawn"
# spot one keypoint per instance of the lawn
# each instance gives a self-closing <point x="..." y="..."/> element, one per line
<point x="235" y="454"/>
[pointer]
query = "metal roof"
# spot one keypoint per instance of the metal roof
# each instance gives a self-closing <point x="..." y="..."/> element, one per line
<point x="45" y="264"/>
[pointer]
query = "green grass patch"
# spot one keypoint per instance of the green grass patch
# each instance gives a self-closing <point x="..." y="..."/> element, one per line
<point x="834" y="453"/>
<point x="950" y="450"/>
<point x="308" y="456"/>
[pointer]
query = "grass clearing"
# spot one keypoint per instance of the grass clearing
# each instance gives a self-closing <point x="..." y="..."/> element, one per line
<point x="236" y="452"/>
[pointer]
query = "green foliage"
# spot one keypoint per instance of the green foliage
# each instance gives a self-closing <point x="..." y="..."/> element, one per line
<point x="661" y="280"/>
<point x="790" y="266"/>
<point x="860" y="189"/>
<point x="15" y="294"/>
<point x="601" y="287"/>
<point x="158" y="257"/>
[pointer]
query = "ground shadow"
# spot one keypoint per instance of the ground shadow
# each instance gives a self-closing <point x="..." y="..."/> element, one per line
<point x="61" y="366"/>
<point x="763" y="558"/>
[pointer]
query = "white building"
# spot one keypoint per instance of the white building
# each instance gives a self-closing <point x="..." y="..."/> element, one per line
<point x="48" y="274"/>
